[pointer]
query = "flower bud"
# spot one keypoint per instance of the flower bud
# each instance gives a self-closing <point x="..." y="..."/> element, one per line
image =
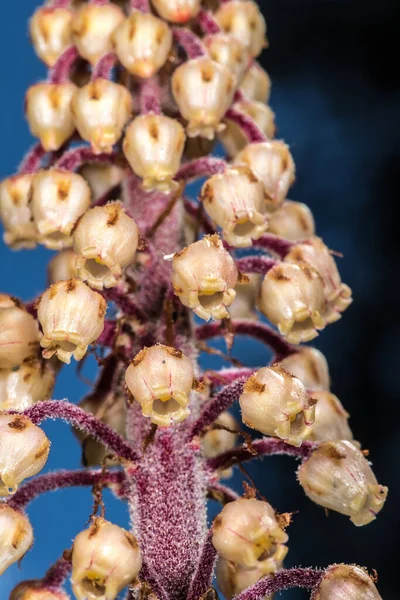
<point x="337" y="294"/>
<point x="32" y="382"/>
<point x="59" y="198"/>
<point x="35" y="589"/>
<point x="105" y="241"/>
<point x="272" y="163"/>
<point x="15" y="212"/>
<point x="243" y="20"/>
<point x="235" y="201"/>
<point x="92" y="28"/>
<point x="233" y="580"/>
<point x="234" y="139"/>
<point x="24" y="449"/>
<point x="101" y="109"/>
<point x="19" y="333"/>
<point x="62" y="267"/>
<point x="204" y="278"/>
<point x="247" y="533"/>
<point x="217" y="441"/>
<point x="331" y="420"/>
<point x="346" y="582"/>
<point x="177" y="11"/>
<point x="153" y="145"/>
<point x="229" y="52"/>
<point x="101" y="178"/>
<point x="276" y="403"/>
<point x="105" y="559"/>
<point x="338" y="476"/>
<point x="293" y="300"/>
<point x="203" y="91"/>
<point x="16" y="536"/>
<point x="72" y="317"/>
<point x="51" y="32"/>
<point x="256" y="84"/>
<point x="310" y="366"/>
<point x="48" y="111"/>
<point x="244" y="304"/>
<point x="293" y="221"/>
<point x="142" y="43"/>
<point x="160" y="379"/>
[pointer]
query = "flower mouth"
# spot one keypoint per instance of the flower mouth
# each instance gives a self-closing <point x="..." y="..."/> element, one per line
<point x="96" y="269"/>
<point x="210" y="301"/>
<point x="94" y="588"/>
<point x="244" y="229"/>
<point x="168" y="407"/>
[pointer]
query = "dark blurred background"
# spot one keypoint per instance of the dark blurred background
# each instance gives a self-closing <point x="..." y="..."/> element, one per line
<point x="336" y="96"/>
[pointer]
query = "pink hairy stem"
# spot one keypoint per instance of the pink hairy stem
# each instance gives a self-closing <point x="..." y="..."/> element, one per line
<point x="150" y="97"/>
<point x="73" y="159"/>
<point x="190" y="42"/>
<point x="32" y="159"/>
<point x="226" y="376"/>
<point x="247" y="125"/>
<point x="142" y="5"/>
<point x="255" y="264"/>
<point x="204" y="571"/>
<point x="207" y="22"/>
<point x="61" y="70"/>
<point x="57" y="574"/>
<point x="201" y="167"/>
<point x="282" y="580"/>
<point x="274" y="244"/>
<point x="220" y="492"/>
<point x="50" y="482"/>
<point x="104" y="66"/>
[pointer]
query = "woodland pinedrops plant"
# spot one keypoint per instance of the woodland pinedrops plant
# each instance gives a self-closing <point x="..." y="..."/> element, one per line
<point x="148" y="89"/>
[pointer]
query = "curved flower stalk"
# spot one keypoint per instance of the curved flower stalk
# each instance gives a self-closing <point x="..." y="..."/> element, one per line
<point x="161" y="82"/>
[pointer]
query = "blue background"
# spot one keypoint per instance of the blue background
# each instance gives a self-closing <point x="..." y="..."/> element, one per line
<point x="336" y="96"/>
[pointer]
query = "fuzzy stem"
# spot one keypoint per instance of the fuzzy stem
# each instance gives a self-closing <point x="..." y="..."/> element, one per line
<point x="61" y="70"/>
<point x="255" y="264"/>
<point x="61" y="3"/>
<point x="142" y="5"/>
<point x="216" y="405"/>
<point x="59" y="409"/>
<point x="259" y="448"/>
<point x="57" y="574"/>
<point x="124" y="302"/>
<point x="73" y="159"/>
<point x="255" y="329"/>
<point x="226" y="376"/>
<point x="50" y="482"/>
<point x="104" y="66"/>
<point x="190" y="42"/>
<point x="32" y="159"/>
<point x="207" y="22"/>
<point x="150" y="97"/>
<point x="201" y="167"/>
<point x="205" y="568"/>
<point x="107" y="337"/>
<point x="249" y="128"/>
<point x="222" y="493"/>
<point x="275" y="244"/>
<point x="282" y="580"/>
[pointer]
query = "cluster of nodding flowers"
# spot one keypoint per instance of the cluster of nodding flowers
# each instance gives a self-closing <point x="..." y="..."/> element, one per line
<point x="148" y="89"/>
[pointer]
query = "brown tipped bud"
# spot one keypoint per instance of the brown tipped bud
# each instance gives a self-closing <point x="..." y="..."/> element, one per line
<point x="59" y="198"/>
<point x="234" y="139"/>
<point x="346" y="582"/>
<point x="247" y="533"/>
<point x="272" y="163"/>
<point x="203" y="91"/>
<point x="276" y="403"/>
<point x="32" y="382"/>
<point x="48" y="111"/>
<point x="92" y="28"/>
<point x="105" y="241"/>
<point x="101" y="178"/>
<point x="19" y="333"/>
<point x="331" y="420"/>
<point x="235" y="201"/>
<point x="51" y="33"/>
<point x="15" y="212"/>
<point x="16" y="536"/>
<point x="153" y="145"/>
<point x="233" y="580"/>
<point x="243" y="20"/>
<point x="62" y="267"/>
<point x="177" y="11"/>
<point x="35" y="589"/>
<point x="142" y="43"/>
<point x="217" y="440"/>
<point x="160" y="379"/>
<point x="256" y="84"/>
<point x="292" y="298"/>
<point x="105" y="559"/>
<point x="338" y="476"/>
<point x="228" y="51"/>
<point x="244" y="304"/>
<point x="293" y="221"/>
<point x="204" y="278"/>
<point x="337" y="294"/>
<point x="101" y="109"/>
<point x="310" y="366"/>
<point x="24" y="449"/>
<point x="72" y="317"/>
